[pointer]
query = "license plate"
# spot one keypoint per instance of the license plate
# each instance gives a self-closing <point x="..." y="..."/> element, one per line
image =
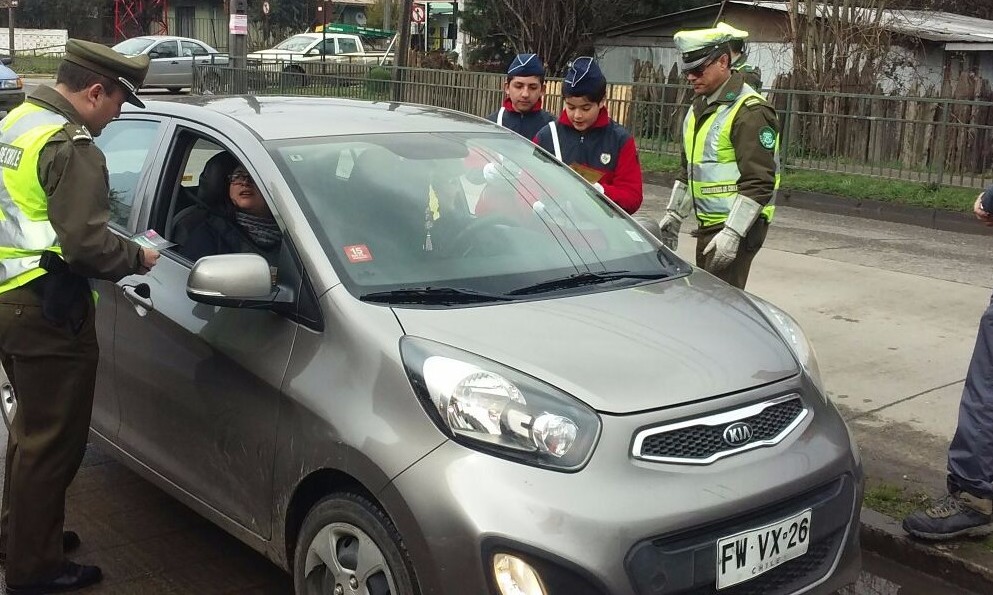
<point x="748" y="554"/>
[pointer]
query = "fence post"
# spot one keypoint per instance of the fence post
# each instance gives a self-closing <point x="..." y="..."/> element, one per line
<point x="784" y="143"/>
<point x="942" y="142"/>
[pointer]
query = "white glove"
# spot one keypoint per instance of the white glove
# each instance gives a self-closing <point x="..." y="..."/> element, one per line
<point x="680" y="203"/>
<point x="598" y="186"/>
<point x="669" y="229"/>
<point x="725" y="248"/>
<point x="725" y="244"/>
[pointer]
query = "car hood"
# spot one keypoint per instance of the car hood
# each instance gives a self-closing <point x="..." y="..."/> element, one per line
<point x="622" y="351"/>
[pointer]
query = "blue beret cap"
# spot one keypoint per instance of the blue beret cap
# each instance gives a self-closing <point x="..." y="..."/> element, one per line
<point x="987" y="200"/>
<point x="583" y="78"/>
<point x="526" y="65"/>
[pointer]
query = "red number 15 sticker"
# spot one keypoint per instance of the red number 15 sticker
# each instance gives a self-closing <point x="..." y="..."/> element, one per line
<point x="358" y="253"/>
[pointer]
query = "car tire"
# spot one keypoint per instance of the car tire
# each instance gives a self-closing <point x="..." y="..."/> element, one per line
<point x="212" y="82"/>
<point x="8" y="401"/>
<point x="174" y="89"/>
<point x="295" y="76"/>
<point x="341" y="530"/>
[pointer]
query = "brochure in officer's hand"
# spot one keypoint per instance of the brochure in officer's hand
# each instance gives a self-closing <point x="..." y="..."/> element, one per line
<point x="151" y="239"/>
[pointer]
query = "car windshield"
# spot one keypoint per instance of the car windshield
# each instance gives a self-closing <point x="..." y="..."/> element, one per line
<point x="462" y="217"/>
<point x="135" y="45"/>
<point x="297" y="43"/>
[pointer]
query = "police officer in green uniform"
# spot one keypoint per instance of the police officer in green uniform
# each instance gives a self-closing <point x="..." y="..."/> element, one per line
<point x="54" y="208"/>
<point x="730" y="165"/>
<point x="739" y="57"/>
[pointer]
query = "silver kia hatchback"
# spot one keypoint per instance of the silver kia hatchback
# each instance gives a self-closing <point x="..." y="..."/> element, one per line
<point x="462" y="372"/>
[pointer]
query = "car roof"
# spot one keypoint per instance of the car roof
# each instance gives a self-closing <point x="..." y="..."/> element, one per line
<point x="170" y="38"/>
<point x="276" y="117"/>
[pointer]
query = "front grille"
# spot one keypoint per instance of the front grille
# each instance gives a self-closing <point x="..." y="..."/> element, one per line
<point x="702" y="440"/>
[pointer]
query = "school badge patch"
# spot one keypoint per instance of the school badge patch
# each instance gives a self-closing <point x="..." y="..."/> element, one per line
<point x="605" y="158"/>
<point x="767" y="137"/>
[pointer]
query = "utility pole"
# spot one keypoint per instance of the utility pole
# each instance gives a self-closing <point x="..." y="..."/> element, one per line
<point x="387" y="13"/>
<point x="238" y="42"/>
<point x="403" y="47"/>
<point x="10" y="5"/>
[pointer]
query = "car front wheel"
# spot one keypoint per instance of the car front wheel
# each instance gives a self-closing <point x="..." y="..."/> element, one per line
<point x="348" y="545"/>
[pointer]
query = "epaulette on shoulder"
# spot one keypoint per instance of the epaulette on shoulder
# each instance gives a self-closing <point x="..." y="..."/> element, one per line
<point x="753" y="101"/>
<point x="78" y="132"/>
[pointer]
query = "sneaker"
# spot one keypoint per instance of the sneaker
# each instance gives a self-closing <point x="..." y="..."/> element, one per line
<point x="955" y="515"/>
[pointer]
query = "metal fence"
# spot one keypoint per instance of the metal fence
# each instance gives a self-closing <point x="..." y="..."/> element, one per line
<point x="933" y="141"/>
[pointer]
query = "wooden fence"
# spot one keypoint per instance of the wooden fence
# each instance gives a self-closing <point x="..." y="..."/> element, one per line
<point x="924" y="138"/>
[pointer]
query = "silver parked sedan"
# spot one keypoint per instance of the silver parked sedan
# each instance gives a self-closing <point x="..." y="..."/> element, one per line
<point x="171" y="59"/>
<point x="465" y="371"/>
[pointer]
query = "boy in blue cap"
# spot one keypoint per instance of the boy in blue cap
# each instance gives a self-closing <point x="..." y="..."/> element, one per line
<point x="523" y="92"/>
<point x="586" y="139"/>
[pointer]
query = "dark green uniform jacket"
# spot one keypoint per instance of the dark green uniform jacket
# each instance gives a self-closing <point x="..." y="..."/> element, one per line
<point x="73" y="172"/>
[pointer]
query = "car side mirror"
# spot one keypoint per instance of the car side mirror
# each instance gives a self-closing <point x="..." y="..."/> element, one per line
<point x="313" y="51"/>
<point x="235" y="281"/>
<point x="6" y="60"/>
<point x="154" y="55"/>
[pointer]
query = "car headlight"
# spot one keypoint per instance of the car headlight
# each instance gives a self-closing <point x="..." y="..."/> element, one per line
<point x="496" y="409"/>
<point x="17" y="83"/>
<point x="789" y="329"/>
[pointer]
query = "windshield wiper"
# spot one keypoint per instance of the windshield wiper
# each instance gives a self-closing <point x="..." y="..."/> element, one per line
<point x="432" y="295"/>
<point x="580" y="279"/>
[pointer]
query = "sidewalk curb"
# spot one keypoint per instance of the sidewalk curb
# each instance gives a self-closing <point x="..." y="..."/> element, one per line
<point x="931" y="218"/>
<point x="883" y="535"/>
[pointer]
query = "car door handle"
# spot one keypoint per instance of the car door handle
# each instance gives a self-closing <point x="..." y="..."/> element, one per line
<point x="139" y="295"/>
<point x="175" y="61"/>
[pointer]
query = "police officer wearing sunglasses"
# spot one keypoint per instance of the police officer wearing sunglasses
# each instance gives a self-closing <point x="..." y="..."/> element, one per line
<point x="730" y="165"/>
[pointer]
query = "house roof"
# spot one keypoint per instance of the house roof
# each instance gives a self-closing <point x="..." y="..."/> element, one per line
<point x="930" y="25"/>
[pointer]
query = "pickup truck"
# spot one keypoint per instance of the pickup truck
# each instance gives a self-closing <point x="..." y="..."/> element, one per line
<point x="292" y="53"/>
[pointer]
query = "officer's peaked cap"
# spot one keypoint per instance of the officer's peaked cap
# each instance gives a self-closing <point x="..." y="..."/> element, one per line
<point x="526" y="65"/>
<point x="583" y="78"/>
<point x="697" y="46"/>
<point x="128" y="71"/>
<point x="734" y="32"/>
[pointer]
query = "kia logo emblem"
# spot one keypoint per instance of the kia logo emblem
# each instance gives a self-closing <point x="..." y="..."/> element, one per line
<point x="738" y="433"/>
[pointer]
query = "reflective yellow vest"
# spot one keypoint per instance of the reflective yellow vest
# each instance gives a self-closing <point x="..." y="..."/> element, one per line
<point x="712" y="164"/>
<point x="25" y="231"/>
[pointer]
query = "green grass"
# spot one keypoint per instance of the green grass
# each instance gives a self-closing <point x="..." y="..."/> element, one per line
<point x="852" y="186"/>
<point x="893" y="501"/>
<point x="949" y="198"/>
<point x="35" y="64"/>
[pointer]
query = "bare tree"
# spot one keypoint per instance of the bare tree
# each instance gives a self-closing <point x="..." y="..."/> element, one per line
<point x="557" y="30"/>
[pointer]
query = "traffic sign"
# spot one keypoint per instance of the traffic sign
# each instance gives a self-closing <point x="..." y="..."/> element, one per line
<point x="265" y="7"/>
<point x="418" y="14"/>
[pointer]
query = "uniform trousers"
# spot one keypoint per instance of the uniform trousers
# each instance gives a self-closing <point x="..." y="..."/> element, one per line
<point x="970" y="456"/>
<point x="737" y="272"/>
<point x="53" y="373"/>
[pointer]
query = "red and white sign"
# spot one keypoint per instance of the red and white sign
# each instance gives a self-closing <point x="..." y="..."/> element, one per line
<point x="358" y="253"/>
<point x="238" y="24"/>
<point x="418" y="14"/>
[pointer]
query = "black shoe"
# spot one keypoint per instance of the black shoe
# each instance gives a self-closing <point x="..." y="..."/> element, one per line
<point x="74" y="576"/>
<point x="70" y="543"/>
<point x="955" y="515"/>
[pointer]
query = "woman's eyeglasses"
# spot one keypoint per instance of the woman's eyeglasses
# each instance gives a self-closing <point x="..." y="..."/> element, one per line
<point x="241" y="177"/>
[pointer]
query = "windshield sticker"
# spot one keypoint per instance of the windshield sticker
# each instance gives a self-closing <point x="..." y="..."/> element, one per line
<point x="10" y="156"/>
<point x="358" y="253"/>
